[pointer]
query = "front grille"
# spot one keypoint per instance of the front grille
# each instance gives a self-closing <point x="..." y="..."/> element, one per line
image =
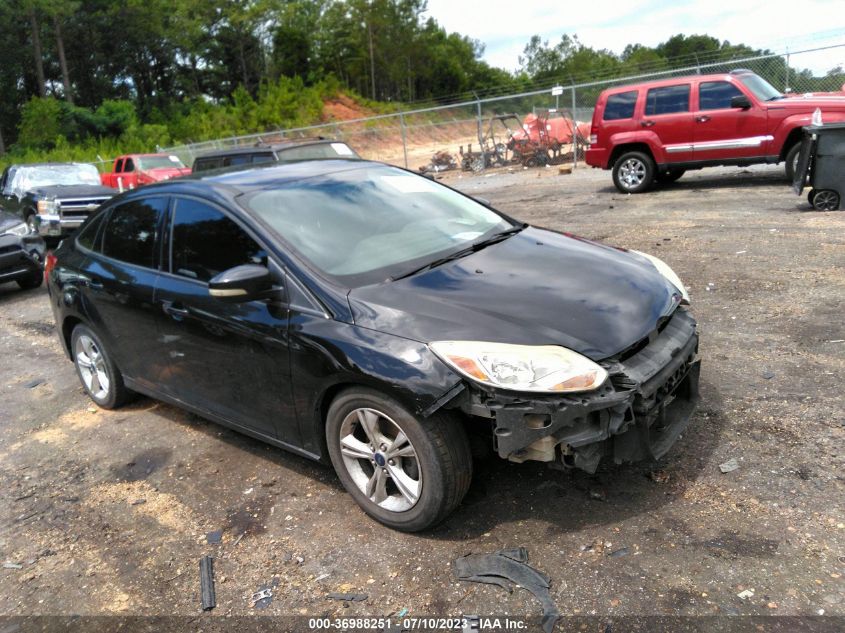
<point x="80" y="207"/>
<point x="662" y="361"/>
<point x="9" y="249"/>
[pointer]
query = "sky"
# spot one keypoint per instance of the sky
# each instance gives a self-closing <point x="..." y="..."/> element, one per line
<point x="505" y="26"/>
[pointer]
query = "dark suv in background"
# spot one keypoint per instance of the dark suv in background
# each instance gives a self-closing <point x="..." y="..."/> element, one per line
<point x="52" y="198"/>
<point x="288" y="151"/>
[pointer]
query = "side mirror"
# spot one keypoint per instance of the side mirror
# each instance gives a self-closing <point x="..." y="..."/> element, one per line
<point x="240" y="284"/>
<point x="740" y="101"/>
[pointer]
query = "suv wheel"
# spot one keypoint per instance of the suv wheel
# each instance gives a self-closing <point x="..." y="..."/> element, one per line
<point x="633" y="172"/>
<point x="791" y="161"/>
<point x="404" y="472"/>
<point x="100" y="377"/>
<point x="32" y="281"/>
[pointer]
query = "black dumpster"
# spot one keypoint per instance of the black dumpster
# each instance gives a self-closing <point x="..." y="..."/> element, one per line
<point x="821" y="164"/>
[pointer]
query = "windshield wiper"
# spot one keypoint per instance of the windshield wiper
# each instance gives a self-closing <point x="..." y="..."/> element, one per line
<point x="469" y="250"/>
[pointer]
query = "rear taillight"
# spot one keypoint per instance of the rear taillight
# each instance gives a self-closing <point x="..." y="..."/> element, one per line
<point x="49" y="264"/>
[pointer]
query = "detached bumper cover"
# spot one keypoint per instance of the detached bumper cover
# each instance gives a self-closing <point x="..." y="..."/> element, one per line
<point x="20" y="256"/>
<point x="637" y="414"/>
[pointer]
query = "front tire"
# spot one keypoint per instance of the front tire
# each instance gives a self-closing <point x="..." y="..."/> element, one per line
<point x="100" y="377"/>
<point x="32" y="281"/>
<point x="406" y="473"/>
<point x="633" y="172"/>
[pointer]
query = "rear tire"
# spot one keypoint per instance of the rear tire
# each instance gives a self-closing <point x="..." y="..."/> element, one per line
<point x="100" y="377"/>
<point x="633" y="172"/>
<point x="408" y="483"/>
<point x="791" y="161"/>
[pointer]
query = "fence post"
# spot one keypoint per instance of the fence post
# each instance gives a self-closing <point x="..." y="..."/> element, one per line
<point x="574" y="131"/>
<point x="404" y="140"/>
<point x="786" y="82"/>
<point x="480" y="125"/>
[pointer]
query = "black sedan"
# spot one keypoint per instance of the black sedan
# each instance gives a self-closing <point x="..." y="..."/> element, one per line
<point x="354" y="312"/>
<point x="21" y="253"/>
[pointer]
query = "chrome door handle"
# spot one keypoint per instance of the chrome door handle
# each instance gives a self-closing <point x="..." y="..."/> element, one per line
<point x="647" y="123"/>
<point x="176" y="310"/>
<point x="702" y="119"/>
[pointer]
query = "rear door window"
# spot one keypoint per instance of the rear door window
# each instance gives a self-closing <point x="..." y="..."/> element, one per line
<point x="205" y="242"/>
<point x="667" y="100"/>
<point x="716" y="95"/>
<point x="620" y="106"/>
<point x="131" y="230"/>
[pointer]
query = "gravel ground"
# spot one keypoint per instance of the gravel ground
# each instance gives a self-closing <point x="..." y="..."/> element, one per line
<point x="107" y="513"/>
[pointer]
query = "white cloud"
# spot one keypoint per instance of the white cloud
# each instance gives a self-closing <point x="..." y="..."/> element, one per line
<point x="505" y="26"/>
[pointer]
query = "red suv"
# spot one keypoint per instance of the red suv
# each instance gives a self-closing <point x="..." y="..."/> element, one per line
<point x="655" y="131"/>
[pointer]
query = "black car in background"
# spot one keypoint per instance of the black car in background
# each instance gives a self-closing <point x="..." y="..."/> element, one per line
<point x="21" y="253"/>
<point x="355" y="312"/>
<point x="52" y="198"/>
<point x="288" y="151"/>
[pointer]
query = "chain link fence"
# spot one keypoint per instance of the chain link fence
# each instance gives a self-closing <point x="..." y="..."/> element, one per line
<point x="468" y="133"/>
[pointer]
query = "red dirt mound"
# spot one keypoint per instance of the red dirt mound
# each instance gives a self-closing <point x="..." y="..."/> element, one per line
<point x="343" y="108"/>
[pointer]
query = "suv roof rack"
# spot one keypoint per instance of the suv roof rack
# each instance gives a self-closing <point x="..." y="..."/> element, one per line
<point x="741" y="71"/>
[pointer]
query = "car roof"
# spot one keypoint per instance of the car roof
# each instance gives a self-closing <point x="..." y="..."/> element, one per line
<point x="672" y="81"/>
<point x="22" y="165"/>
<point x="238" y="179"/>
<point x="254" y="149"/>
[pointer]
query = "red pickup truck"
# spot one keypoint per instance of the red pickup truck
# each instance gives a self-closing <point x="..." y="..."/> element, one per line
<point x="133" y="170"/>
<point x="656" y="131"/>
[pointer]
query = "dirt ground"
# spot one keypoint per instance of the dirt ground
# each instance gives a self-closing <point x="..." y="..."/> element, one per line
<point x="107" y="513"/>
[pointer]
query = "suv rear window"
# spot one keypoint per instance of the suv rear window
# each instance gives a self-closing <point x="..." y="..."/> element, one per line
<point x="620" y="106"/>
<point x="667" y="100"/>
<point x="716" y="95"/>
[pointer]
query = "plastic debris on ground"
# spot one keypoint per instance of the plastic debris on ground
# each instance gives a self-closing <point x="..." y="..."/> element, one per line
<point x="506" y="568"/>
<point x="729" y="466"/>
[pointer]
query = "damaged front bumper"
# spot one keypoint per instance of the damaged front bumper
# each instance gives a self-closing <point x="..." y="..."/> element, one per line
<point x="638" y="413"/>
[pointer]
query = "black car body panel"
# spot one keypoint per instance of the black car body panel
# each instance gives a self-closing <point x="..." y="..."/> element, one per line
<point x="21" y="256"/>
<point x="270" y="368"/>
<point x="536" y="288"/>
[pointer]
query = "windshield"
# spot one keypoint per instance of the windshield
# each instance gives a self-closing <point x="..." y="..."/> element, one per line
<point x="49" y="175"/>
<point x="762" y="89"/>
<point x="364" y="225"/>
<point x="160" y="162"/>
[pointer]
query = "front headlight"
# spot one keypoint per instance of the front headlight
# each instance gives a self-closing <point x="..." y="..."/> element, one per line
<point x="543" y="368"/>
<point x="18" y="229"/>
<point x="49" y="206"/>
<point x="664" y="269"/>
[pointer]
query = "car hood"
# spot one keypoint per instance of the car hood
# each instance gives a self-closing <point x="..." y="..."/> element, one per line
<point x="164" y="173"/>
<point x="8" y="220"/>
<point x="825" y="102"/>
<point x="74" y="191"/>
<point x="535" y="288"/>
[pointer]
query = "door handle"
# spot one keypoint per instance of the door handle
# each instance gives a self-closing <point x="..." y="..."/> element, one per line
<point x="94" y="283"/>
<point x="175" y="310"/>
<point x="703" y="118"/>
<point x="647" y="123"/>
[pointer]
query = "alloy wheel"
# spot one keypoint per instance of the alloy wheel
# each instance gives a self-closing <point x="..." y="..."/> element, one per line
<point x="632" y="173"/>
<point x="380" y="459"/>
<point x="92" y="367"/>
